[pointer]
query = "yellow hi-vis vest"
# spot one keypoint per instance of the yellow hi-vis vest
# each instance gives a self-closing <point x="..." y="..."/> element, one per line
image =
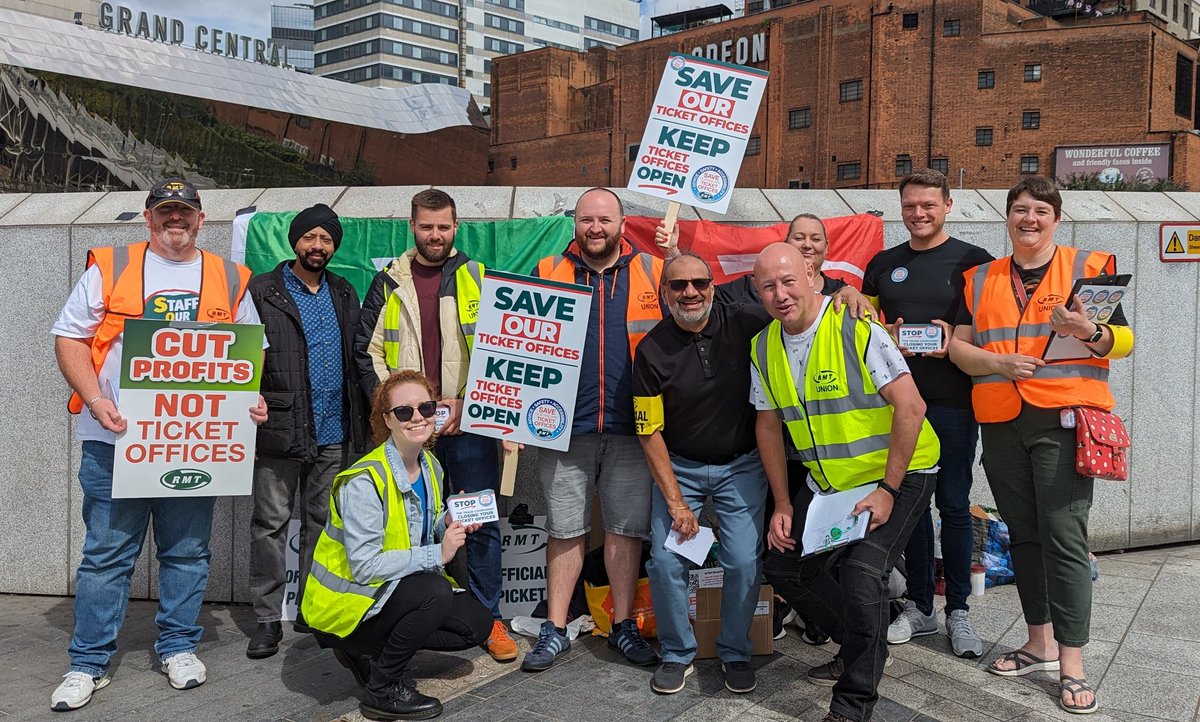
<point x="842" y="426"/>
<point x="468" y="278"/>
<point x="333" y="601"/>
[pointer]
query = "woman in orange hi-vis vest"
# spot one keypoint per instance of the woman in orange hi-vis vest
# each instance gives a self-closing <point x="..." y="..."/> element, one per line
<point x="1015" y="304"/>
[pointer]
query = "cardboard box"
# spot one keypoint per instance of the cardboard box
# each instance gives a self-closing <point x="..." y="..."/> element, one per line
<point x="707" y="624"/>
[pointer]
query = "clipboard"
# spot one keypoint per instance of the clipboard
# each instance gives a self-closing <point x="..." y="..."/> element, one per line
<point x="1096" y="297"/>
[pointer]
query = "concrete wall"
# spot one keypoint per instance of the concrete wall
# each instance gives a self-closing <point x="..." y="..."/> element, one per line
<point x="44" y="240"/>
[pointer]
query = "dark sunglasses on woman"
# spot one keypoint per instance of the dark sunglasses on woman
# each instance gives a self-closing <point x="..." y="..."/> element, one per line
<point x="404" y="414"/>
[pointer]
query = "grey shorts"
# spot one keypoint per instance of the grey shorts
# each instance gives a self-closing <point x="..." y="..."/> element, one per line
<point x="609" y="464"/>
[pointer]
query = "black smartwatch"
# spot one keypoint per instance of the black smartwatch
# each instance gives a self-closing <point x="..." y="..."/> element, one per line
<point x="888" y="488"/>
<point x="1095" y="338"/>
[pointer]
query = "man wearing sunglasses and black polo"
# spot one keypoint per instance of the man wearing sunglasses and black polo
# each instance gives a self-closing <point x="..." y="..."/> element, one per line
<point x="691" y="379"/>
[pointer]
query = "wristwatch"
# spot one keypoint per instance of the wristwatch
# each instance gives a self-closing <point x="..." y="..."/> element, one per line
<point x="1095" y="338"/>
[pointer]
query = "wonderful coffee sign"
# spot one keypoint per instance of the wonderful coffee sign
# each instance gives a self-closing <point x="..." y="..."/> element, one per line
<point x="186" y="392"/>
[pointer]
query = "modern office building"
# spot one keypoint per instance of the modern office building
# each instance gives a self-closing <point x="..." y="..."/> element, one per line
<point x="861" y="93"/>
<point x="393" y="43"/>
<point x="292" y="27"/>
<point x="88" y="109"/>
<point x="663" y="17"/>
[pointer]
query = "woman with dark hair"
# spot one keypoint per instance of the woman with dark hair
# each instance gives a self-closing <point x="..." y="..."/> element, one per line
<point x="1016" y="304"/>
<point x="377" y="591"/>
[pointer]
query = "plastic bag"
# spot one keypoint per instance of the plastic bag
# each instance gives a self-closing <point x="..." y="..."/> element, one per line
<point x="600" y="605"/>
<point x="991" y="548"/>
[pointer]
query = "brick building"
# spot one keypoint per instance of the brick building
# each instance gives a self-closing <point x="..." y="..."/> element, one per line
<point x="861" y="92"/>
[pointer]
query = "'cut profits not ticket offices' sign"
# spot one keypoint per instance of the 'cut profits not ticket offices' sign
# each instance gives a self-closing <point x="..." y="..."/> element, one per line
<point x="186" y="393"/>
<point x="525" y="361"/>
<point x="697" y="131"/>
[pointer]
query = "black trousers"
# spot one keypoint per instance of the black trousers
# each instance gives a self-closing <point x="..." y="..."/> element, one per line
<point x="423" y="612"/>
<point x="845" y="591"/>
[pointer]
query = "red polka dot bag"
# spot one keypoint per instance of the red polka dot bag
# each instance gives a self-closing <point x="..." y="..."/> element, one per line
<point x="1102" y="444"/>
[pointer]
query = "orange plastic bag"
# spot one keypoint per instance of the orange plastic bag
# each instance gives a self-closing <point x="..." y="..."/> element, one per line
<point x="600" y="606"/>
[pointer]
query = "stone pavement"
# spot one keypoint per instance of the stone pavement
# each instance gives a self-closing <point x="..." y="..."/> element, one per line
<point x="1144" y="659"/>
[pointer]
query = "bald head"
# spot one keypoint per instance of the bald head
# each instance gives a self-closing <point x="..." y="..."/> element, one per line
<point x="786" y="283"/>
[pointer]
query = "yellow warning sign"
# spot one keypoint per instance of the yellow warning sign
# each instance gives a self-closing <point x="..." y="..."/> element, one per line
<point x="1174" y="246"/>
<point x="1193" y="247"/>
<point x="1179" y="242"/>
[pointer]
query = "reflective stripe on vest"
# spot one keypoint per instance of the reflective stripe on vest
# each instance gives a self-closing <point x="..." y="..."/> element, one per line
<point x="467" y="282"/>
<point x="999" y="325"/>
<point x="333" y="601"/>
<point x="222" y="287"/>
<point x="842" y="428"/>
<point x="642" y="310"/>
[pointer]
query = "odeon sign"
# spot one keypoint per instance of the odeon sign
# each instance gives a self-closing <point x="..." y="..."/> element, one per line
<point x="160" y="28"/>
<point x="743" y="50"/>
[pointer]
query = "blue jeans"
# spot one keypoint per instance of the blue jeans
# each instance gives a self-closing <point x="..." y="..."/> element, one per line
<point x="845" y="592"/>
<point x="116" y="529"/>
<point x="472" y="463"/>
<point x="739" y="491"/>
<point x="958" y="432"/>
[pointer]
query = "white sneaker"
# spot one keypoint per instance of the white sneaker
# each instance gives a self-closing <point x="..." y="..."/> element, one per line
<point x="76" y="690"/>
<point x="184" y="670"/>
<point x="911" y="623"/>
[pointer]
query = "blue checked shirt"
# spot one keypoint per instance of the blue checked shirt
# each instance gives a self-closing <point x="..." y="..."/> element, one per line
<point x="325" y="372"/>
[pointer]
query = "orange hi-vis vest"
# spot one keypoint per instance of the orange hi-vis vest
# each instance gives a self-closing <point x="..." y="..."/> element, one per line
<point x="642" y="311"/>
<point x="222" y="287"/>
<point x="1000" y="325"/>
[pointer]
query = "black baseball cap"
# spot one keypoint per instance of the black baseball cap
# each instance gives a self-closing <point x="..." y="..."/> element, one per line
<point x="173" y="190"/>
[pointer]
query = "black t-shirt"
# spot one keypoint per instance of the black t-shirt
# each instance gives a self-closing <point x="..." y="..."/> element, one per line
<point x="741" y="290"/>
<point x="704" y="381"/>
<point x="920" y="286"/>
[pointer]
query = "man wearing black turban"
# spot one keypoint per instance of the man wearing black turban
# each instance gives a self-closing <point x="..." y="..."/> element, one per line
<point x="315" y="415"/>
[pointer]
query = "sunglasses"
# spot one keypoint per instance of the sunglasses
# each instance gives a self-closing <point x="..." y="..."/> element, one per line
<point x="175" y="191"/>
<point x="404" y="414"/>
<point x="679" y="285"/>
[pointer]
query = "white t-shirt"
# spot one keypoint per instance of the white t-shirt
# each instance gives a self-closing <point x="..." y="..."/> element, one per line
<point x="172" y="291"/>
<point x="884" y="361"/>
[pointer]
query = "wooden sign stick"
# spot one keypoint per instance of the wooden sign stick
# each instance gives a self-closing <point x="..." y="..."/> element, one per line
<point x="669" y="221"/>
<point x="508" y="477"/>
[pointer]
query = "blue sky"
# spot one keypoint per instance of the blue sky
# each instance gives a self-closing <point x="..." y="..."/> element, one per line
<point x="248" y="17"/>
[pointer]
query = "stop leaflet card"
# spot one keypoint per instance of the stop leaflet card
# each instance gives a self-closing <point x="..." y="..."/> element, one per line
<point x="476" y="508"/>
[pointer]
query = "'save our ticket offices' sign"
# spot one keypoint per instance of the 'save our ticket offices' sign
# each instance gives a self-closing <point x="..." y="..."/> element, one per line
<point x="696" y="135"/>
<point x="186" y="391"/>
<point x="525" y="362"/>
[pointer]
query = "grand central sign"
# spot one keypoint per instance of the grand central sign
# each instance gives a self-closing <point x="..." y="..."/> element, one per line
<point x="160" y="28"/>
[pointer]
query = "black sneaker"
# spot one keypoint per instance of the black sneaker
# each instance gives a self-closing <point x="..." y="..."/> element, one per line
<point x="739" y="677"/>
<point x="546" y="649"/>
<point x="626" y="637"/>
<point x="812" y="634"/>
<point x="828" y="674"/>
<point x="784" y="615"/>
<point x="398" y="701"/>
<point x="669" y="677"/>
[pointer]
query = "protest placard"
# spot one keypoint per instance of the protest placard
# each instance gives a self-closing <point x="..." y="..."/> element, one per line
<point x="525" y="362"/>
<point x="696" y="135"/>
<point x="186" y="391"/>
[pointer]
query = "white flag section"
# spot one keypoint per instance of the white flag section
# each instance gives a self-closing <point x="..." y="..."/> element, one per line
<point x="697" y="131"/>
<point x="525" y="362"/>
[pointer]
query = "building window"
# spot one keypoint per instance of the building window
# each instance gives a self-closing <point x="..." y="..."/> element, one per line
<point x="951" y="28"/>
<point x="1184" y="70"/>
<point x="487" y="90"/>
<point x="850" y="90"/>
<point x="603" y="26"/>
<point x="1033" y="73"/>
<point x="1029" y="164"/>
<point x="909" y="22"/>
<point x="512" y="162"/>
<point x="941" y="165"/>
<point x="510" y="4"/>
<point x="491" y="165"/>
<point x="1031" y="119"/>
<point x="754" y="145"/>
<point x="500" y="22"/>
<point x="903" y="165"/>
<point x="793" y="185"/>
<point x="799" y="118"/>
<point x="983" y="136"/>
<point x="849" y="171"/>
<point x="633" y="152"/>
<point x="503" y="47"/>
<point x="987" y="79"/>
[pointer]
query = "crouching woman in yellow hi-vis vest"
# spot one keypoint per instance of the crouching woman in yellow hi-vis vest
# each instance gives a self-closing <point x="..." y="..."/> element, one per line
<point x="377" y="592"/>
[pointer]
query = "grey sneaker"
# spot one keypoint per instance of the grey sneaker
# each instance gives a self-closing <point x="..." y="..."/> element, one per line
<point x="963" y="639"/>
<point x="670" y="677"/>
<point x="76" y="690"/>
<point x="911" y="623"/>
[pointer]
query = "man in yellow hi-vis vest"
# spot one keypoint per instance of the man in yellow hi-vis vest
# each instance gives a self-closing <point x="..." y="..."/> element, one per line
<point x="848" y="401"/>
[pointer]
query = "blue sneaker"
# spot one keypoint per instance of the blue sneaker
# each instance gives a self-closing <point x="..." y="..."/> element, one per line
<point x="626" y="637"/>
<point x="548" y="646"/>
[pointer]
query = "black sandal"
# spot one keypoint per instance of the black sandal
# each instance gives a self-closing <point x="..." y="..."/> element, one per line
<point x="1074" y="687"/>
<point x="1023" y="663"/>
